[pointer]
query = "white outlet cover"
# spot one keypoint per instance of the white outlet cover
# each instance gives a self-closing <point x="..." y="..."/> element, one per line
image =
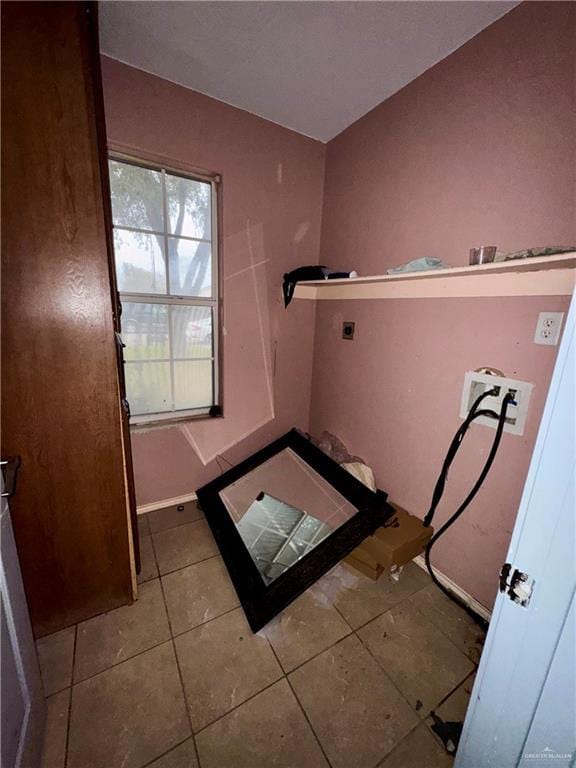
<point x="548" y="328"/>
<point x="475" y="383"/>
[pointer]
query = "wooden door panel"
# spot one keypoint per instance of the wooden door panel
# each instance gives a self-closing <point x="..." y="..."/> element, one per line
<point x="60" y="397"/>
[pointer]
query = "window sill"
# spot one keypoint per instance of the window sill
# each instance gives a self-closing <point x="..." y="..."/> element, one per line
<point x="149" y="422"/>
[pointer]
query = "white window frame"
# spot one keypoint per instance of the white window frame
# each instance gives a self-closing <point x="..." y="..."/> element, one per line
<point x="214" y="302"/>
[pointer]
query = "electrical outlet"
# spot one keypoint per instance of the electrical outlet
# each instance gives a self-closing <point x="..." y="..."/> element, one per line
<point x="476" y="384"/>
<point x="548" y="328"/>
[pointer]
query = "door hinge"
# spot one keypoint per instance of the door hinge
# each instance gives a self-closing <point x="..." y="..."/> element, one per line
<point x="518" y="587"/>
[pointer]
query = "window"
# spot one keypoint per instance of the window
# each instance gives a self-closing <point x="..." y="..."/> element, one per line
<point x="166" y="255"/>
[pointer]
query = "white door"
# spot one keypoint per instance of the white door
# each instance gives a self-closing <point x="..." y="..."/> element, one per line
<point x="523" y="706"/>
<point x="22" y="697"/>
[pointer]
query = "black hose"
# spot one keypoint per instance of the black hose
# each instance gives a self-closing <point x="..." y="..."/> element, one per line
<point x="508" y="398"/>
<point x="474" y="413"/>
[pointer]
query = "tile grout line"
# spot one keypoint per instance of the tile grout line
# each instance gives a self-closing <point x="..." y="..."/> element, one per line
<point x="151" y="533"/>
<point x="284" y="675"/>
<point x="339" y="612"/>
<point x="69" y="718"/>
<point x="378" y="615"/>
<point x="151" y="648"/>
<point x="453" y="691"/>
<point x="54" y="693"/>
<point x="324" y="650"/>
<point x="164" y="754"/>
<point x="230" y="610"/>
<point x="443" y="631"/>
<point x="421" y="724"/>
<point x="355" y="633"/>
<point x="123" y="661"/>
<point x="74" y="683"/>
<point x="352" y="629"/>
<point x="266" y="687"/>
<point x="444" y="700"/>
<point x="186" y="706"/>
<point x="445" y="636"/>
<point x="422" y="720"/>
<point x="208" y="621"/>
<point x="170" y="527"/>
<point x="182" y="567"/>
<point x="237" y="706"/>
<point x="301" y="706"/>
<point x="399" y="602"/>
<point x="381" y="666"/>
<point x="161" y="587"/>
<point x="298" y="702"/>
<point x="193" y="733"/>
<point x="212" y="557"/>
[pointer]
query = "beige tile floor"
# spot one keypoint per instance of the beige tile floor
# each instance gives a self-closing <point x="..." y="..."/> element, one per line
<point x="345" y="677"/>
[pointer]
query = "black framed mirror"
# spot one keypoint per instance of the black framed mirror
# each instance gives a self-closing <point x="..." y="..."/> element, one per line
<point x="285" y="516"/>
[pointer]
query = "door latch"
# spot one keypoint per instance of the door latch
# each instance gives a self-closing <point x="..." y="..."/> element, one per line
<point x="10" y="467"/>
<point x="519" y="586"/>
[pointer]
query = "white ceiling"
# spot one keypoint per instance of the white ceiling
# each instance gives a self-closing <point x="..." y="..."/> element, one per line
<point x="315" y="67"/>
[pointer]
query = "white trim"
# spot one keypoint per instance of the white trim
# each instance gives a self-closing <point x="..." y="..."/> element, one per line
<point x="165" y="298"/>
<point x="123" y="153"/>
<point x="473" y="604"/>
<point x="169" y="299"/>
<point x="216" y="266"/>
<point x="147" y="421"/>
<point x="143" y="509"/>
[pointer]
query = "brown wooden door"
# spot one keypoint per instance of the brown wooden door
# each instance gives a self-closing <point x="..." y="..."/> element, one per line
<point x="60" y="389"/>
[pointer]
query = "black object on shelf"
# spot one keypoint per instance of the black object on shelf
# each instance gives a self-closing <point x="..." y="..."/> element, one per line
<point x="301" y="274"/>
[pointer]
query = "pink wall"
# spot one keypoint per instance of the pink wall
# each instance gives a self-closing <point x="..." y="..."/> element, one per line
<point x="479" y="149"/>
<point x="272" y="197"/>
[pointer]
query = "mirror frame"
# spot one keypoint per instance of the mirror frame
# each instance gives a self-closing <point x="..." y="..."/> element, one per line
<point x="260" y="601"/>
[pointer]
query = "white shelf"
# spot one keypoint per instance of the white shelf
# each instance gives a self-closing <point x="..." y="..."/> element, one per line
<point x="538" y="276"/>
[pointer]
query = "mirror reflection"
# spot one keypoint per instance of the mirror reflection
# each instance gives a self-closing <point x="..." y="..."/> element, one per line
<point x="282" y="510"/>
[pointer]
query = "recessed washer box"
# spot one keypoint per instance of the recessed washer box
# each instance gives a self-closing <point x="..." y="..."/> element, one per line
<point x="476" y="383"/>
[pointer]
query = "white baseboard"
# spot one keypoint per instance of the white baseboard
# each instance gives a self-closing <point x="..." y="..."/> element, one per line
<point x="143" y="509"/>
<point x="473" y="604"/>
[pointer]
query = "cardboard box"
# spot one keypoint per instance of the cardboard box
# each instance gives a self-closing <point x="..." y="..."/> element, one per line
<point x="357" y="565"/>
<point x="402" y="539"/>
<point x="365" y="557"/>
